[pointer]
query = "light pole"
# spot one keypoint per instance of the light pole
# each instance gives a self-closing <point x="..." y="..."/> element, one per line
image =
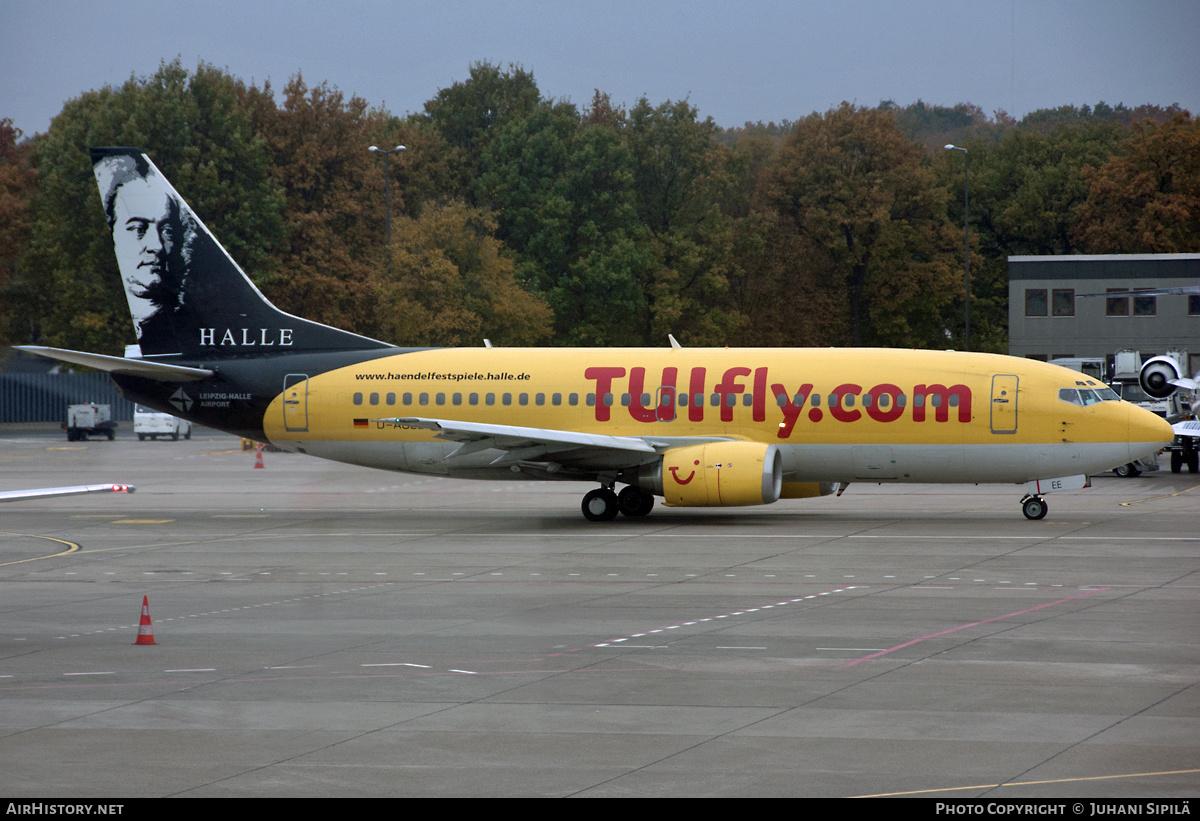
<point x="966" y="244"/>
<point x="387" y="188"/>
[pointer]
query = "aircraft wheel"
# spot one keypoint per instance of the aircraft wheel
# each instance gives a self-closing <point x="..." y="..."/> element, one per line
<point x="600" y="505"/>
<point x="1034" y="508"/>
<point x="1127" y="471"/>
<point x="635" y="502"/>
<point x="1176" y="461"/>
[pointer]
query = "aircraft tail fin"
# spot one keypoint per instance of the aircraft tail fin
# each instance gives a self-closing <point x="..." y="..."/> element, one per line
<point x="186" y="294"/>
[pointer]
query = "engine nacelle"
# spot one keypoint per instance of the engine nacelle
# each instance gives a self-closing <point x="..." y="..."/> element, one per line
<point x="1156" y="375"/>
<point x="721" y="474"/>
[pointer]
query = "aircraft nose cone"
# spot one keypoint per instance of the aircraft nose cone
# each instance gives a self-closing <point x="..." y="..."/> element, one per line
<point x="1148" y="432"/>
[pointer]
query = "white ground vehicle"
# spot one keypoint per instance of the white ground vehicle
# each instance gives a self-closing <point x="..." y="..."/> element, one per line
<point x="150" y="424"/>
<point x="89" y="419"/>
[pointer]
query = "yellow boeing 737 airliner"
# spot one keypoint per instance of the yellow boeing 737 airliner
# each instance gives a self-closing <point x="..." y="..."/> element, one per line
<point x="696" y="427"/>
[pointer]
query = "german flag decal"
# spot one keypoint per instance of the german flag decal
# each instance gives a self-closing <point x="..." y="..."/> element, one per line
<point x="361" y="423"/>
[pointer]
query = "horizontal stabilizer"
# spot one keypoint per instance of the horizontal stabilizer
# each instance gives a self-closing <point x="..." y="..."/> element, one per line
<point x="146" y="369"/>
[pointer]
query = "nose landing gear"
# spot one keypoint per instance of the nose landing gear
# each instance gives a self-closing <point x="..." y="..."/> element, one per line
<point x="1034" y="507"/>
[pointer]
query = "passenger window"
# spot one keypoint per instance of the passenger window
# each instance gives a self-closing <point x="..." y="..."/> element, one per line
<point x="456" y="399"/>
<point x="490" y="399"/>
<point x="441" y="398"/>
<point x="747" y="399"/>
<point x="555" y="399"/>
<point x="523" y="399"/>
<point x="391" y="398"/>
<point x="408" y="398"/>
<point x="506" y="399"/>
<point x="473" y="398"/>
<point x="608" y="400"/>
<point x="625" y="400"/>
<point x="374" y="399"/>
<point x="358" y="398"/>
<point x="423" y="399"/>
<point x="573" y="399"/>
<point x="799" y="399"/>
<point x="781" y="399"/>
<point x="540" y="399"/>
<point x="815" y="399"/>
<point x="849" y="400"/>
<point x="591" y="399"/>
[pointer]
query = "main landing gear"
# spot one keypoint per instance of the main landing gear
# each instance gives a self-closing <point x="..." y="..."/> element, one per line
<point x="1034" y="507"/>
<point x="603" y="504"/>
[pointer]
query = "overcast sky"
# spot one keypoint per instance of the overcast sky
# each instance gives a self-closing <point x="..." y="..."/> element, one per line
<point x="735" y="61"/>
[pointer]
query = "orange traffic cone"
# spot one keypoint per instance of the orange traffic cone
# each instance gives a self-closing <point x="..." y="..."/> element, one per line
<point x="145" y="628"/>
<point x="258" y="462"/>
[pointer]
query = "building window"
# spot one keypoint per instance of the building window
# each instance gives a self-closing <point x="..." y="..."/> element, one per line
<point x="1116" y="305"/>
<point x="1035" y="302"/>
<point x="1064" y="302"/>
<point x="1145" y="305"/>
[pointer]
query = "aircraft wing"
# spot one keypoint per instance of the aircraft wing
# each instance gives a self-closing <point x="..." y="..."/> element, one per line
<point x="47" y="492"/>
<point x="1189" y="427"/>
<point x="118" y="364"/>
<point x="1180" y="290"/>
<point x="521" y="444"/>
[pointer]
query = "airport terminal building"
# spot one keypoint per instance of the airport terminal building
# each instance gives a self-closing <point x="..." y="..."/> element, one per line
<point x="1048" y="317"/>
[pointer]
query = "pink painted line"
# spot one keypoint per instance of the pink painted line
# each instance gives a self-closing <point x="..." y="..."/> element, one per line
<point x="972" y="624"/>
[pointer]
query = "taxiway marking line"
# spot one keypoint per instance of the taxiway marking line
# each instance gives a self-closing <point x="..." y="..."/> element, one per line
<point x="72" y="547"/>
<point x="1155" y="498"/>
<point x="1028" y="783"/>
<point x="947" y="632"/>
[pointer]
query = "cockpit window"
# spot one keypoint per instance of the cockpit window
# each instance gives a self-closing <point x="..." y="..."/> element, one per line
<point x="1087" y="396"/>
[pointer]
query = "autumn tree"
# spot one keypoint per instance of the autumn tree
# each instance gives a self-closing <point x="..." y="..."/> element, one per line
<point x="865" y="223"/>
<point x="1146" y="198"/>
<point x="449" y="284"/>
<point x="17" y="190"/>
<point x="335" y="208"/>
